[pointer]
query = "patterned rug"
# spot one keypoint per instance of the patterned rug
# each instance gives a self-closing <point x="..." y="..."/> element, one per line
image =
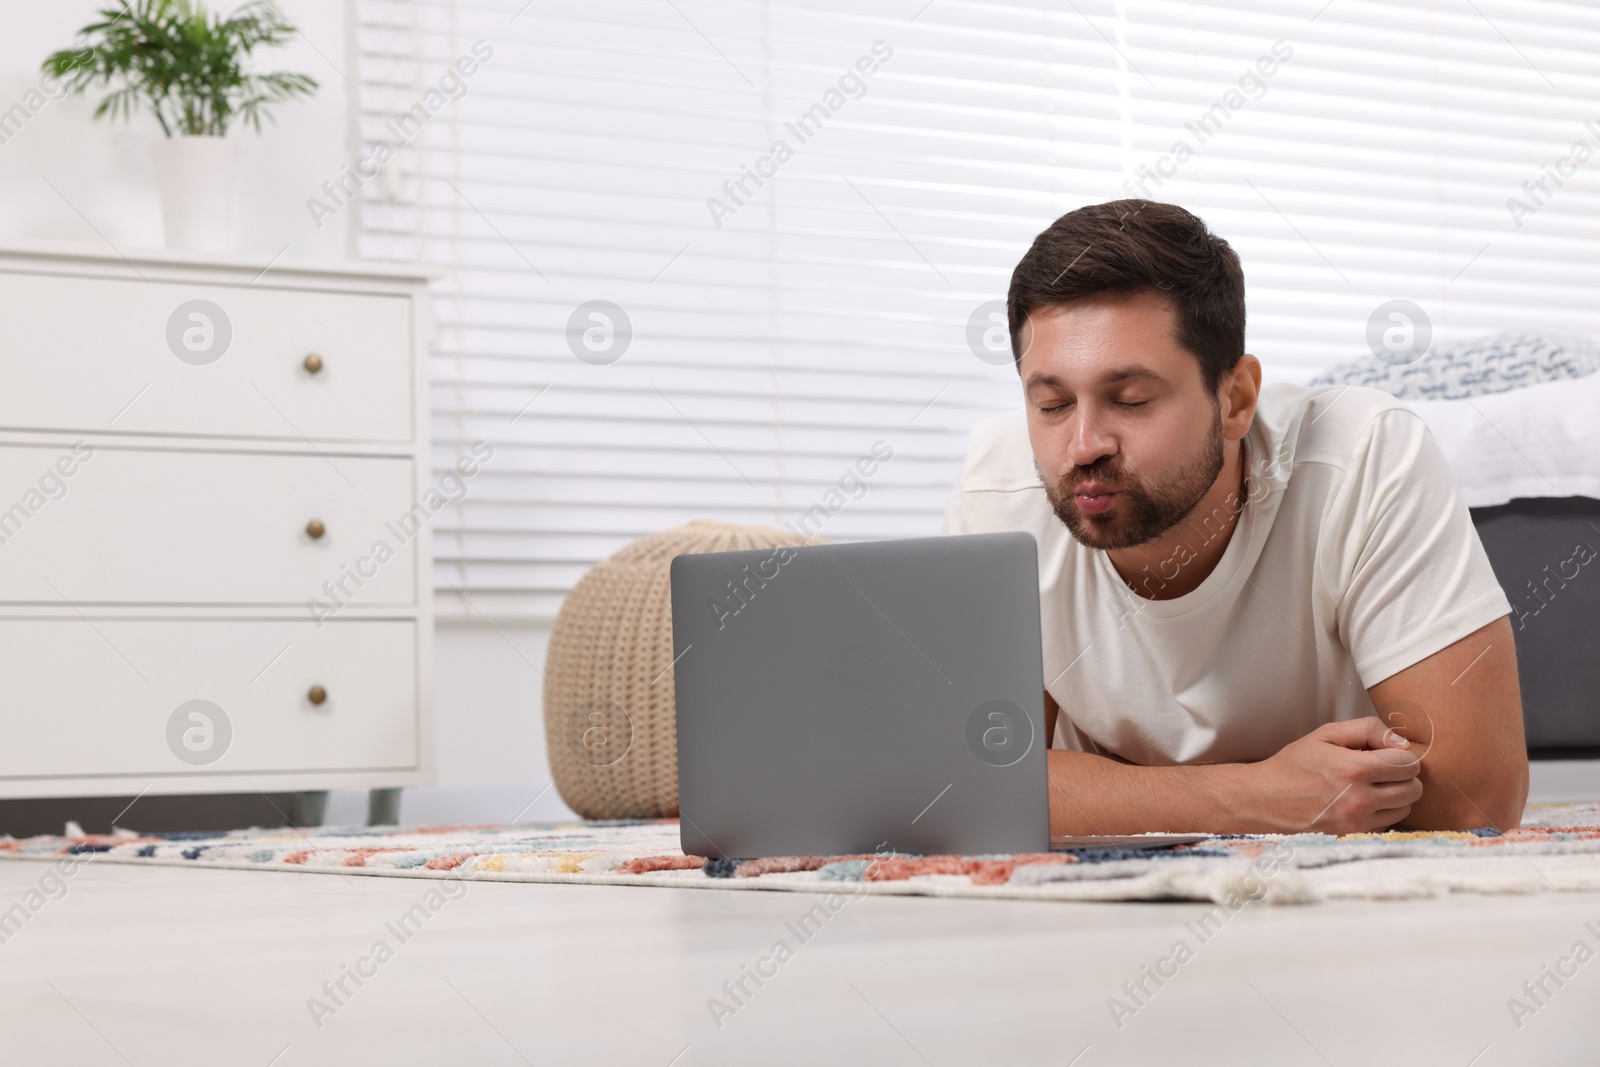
<point x="1557" y="849"/>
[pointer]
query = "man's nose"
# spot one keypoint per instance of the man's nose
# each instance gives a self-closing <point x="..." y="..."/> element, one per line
<point x="1088" y="444"/>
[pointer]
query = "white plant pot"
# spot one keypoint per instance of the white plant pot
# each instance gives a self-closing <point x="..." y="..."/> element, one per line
<point x="199" y="179"/>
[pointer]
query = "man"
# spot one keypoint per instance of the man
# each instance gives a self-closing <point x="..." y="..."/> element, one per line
<point x="1265" y="609"/>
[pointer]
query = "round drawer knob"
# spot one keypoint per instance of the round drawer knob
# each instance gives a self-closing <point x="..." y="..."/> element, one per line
<point x="317" y="694"/>
<point x="315" y="529"/>
<point x="313" y="363"/>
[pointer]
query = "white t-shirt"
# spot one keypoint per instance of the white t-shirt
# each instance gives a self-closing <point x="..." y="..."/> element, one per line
<point x="1354" y="558"/>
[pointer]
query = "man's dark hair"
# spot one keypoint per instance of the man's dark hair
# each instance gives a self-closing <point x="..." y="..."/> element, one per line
<point x="1135" y="246"/>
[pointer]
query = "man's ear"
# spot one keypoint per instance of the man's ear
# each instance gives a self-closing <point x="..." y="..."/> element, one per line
<point x="1237" y="395"/>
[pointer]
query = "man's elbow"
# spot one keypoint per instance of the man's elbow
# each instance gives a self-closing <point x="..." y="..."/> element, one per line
<point x="1496" y="801"/>
<point x="1505" y="793"/>
<point x="1502" y="812"/>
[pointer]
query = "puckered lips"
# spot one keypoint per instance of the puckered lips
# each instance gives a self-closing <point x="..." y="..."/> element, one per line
<point x="1094" y="497"/>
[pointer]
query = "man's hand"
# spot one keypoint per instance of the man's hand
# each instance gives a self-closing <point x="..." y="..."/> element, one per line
<point x="1341" y="778"/>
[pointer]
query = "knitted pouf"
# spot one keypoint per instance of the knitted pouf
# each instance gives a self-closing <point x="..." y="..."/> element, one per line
<point x="609" y="714"/>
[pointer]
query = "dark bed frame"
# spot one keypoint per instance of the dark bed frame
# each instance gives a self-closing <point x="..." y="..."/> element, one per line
<point x="1546" y="554"/>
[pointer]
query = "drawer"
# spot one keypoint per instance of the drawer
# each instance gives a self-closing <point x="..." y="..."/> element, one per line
<point x="105" y="699"/>
<point x="100" y="354"/>
<point x="136" y="526"/>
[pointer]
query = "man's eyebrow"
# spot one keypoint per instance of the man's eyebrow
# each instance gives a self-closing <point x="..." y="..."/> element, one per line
<point x="1111" y="377"/>
<point x="1122" y="374"/>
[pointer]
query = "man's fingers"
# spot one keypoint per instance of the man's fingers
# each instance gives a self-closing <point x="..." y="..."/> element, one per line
<point x="1384" y="765"/>
<point x="1396" y="794"/>
<point x="1392" y="764"/>
<point x="1366" y="806"/>
<point x="1385" y="818"/>
<point x="1367" y="732"/>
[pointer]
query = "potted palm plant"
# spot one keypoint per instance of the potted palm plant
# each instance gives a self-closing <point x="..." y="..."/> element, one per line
<point x="185" y="66"/>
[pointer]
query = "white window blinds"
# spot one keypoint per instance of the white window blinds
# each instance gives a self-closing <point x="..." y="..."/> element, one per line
<point x="790" y="221"/>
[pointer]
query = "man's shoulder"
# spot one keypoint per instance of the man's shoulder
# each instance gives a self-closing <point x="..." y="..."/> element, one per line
<point x="1329" y="424"/>
<point x="999" y="457"/>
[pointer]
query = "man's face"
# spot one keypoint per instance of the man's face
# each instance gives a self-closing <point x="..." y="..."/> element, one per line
<point x="1126" y="437"/>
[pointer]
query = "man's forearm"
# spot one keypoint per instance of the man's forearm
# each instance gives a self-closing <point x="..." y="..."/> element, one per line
<point x="1092" y="794"/>
<point x="1351" y="776"/>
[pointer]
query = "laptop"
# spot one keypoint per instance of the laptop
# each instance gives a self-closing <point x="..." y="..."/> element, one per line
<point x="864" y="698"/>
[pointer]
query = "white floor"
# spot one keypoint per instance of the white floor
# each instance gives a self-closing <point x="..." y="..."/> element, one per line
<point x="157" y="966"/>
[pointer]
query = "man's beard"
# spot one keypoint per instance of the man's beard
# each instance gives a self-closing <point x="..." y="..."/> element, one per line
<point x="1141" y="512"/>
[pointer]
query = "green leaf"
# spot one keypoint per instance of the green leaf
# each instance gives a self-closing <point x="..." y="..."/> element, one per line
<point x="183" y="64"/>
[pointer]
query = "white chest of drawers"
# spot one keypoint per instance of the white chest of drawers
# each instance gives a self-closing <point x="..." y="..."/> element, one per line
<point x="214" y="559"/>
